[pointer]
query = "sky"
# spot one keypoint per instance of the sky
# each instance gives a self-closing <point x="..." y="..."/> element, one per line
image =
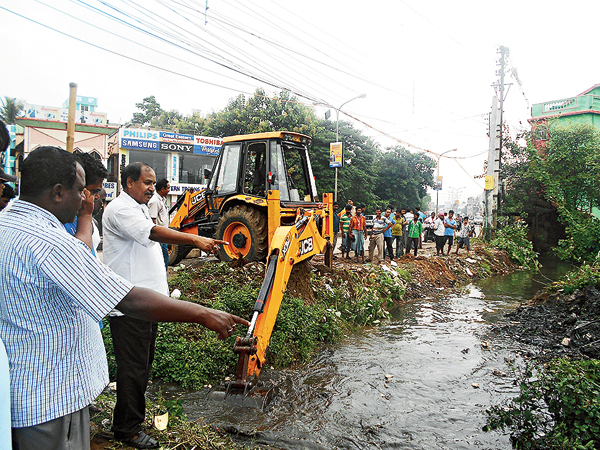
<point x="427" y="67"/>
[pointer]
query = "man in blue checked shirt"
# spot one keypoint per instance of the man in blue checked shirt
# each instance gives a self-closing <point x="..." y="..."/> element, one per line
<point x="53" y="292"/>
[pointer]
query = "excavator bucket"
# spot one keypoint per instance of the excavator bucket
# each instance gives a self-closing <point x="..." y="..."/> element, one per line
<point x="258" y="397"/>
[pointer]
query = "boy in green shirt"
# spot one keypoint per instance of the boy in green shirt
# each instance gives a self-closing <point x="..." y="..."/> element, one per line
<point x="415" y="228"/>
<point x="345" y="218"/>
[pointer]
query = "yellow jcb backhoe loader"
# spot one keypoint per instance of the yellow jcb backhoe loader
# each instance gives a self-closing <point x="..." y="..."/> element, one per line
<point x="262" y="200"/>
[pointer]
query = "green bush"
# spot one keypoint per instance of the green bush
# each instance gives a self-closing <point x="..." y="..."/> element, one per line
<point x="558" y="407"/>
<point x="582" y="243"/>
<point x="513" y="240"/>
<point x="192" y="356"/>
<point x="579" y="278"/>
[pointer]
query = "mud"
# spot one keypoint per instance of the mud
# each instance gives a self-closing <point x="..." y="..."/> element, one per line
<point x="557" y="325"/>
<point x="431" y="276"/>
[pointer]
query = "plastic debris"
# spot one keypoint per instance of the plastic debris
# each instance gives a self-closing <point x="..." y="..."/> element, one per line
<point x="161" y="422"/>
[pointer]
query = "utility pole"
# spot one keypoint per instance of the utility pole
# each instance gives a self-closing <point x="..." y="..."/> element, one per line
<point x="493" y="205"/>
<point x="493" y="172"/>
<point x="71" y="117"/>
<point x="498" y="190"/>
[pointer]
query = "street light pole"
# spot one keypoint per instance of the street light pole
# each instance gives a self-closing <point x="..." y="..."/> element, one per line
<point x="437" y="192"/>
<point x="337" y="124"/>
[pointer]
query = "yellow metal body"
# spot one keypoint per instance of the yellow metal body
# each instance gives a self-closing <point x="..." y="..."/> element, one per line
<point x="292" y="245"/>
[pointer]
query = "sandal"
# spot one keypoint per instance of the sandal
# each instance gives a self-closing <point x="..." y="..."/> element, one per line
<point x="142" y="440"/>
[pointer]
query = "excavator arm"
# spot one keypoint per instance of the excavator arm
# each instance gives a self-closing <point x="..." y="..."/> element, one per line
<point x="290" y="245"/>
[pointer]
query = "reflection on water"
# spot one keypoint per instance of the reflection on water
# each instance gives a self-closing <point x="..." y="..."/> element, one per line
<point x="421" y="382"/>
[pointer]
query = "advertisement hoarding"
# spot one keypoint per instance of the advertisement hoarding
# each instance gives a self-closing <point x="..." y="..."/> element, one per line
<point x="140" y="139"/>
<point x="336" y="154"/>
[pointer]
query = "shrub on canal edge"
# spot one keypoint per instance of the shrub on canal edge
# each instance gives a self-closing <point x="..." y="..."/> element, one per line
<point x="192" y="356"/>
<point x="558" y="407"/>
<point x="513" y="240"/>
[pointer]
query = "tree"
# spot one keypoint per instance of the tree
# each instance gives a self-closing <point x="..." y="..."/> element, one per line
<point x="570" y="169"/>
<point x="403" y="177"/>
<point x="150" y="110"/>
<point x="560" y="183"/>
<point x="357" y="179"/>
<point x="11" y="109"/>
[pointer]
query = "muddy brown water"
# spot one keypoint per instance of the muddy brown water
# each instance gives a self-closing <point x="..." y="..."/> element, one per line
<point x="422" y="381"/>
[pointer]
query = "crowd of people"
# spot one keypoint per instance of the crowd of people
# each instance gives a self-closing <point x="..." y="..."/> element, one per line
<point x="396" y="233"/>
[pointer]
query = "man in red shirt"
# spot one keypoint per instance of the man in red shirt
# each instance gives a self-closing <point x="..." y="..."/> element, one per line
<point x="358" y="227"/>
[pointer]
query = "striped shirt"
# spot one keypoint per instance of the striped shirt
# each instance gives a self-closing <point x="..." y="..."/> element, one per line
<point x="345" y="221"/>
<point x="53" y="293"/>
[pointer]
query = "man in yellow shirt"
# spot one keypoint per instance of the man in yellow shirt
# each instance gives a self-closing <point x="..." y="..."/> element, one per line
<point x="397" y="233"/>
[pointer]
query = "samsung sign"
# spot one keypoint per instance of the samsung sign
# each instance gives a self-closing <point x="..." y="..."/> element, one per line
<point x="140" y="139"/>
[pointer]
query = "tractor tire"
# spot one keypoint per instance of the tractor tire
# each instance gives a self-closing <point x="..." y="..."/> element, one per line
<point x="245" y="229"/>
<point x="177" y="252"/>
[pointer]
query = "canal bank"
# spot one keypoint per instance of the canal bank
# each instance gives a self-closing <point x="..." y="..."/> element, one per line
<point x="429" y="351"/>
<point x="422" y="380"/>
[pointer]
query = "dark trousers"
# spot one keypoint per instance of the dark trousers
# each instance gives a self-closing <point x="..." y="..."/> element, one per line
<point x="133" y="340"/>
<point x="389" y="247"/>
<point x="410" y="242"/>
<point x="399" y="245"/>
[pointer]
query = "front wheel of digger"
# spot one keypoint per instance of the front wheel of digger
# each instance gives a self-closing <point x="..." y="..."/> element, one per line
<point x="245" y="230"/>
<point x="177" y="252"/>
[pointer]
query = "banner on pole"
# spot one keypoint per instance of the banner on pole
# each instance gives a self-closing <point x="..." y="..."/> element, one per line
<point x="438" y="184"/>
<point x="489" y="182"/>
<point x="336" y="154"/>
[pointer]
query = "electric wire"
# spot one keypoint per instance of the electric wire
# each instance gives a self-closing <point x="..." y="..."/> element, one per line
<point x="241" y="71"/>
<point x="295" y="90"/>
<point x="123" y="55"/>
<point x="140" y="44"/>
<point x="197" y="79"/>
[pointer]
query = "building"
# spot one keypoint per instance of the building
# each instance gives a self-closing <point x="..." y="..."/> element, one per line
<point x="180" y="158"/>
<point x="581" y="109"/>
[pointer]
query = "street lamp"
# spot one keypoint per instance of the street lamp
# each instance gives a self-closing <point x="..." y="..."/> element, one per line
<point x="437" y="192"/>
<point x="455" y="197"/>
<point x="337" y="123"/>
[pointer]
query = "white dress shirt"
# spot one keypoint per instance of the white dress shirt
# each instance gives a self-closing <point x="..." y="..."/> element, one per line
<point x="127" y="248"/>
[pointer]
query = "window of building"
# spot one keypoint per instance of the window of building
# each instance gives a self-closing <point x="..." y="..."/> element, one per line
<point x="85" y="108"/>
<point x="191" y="168"/>
<point x="157" y="160"/>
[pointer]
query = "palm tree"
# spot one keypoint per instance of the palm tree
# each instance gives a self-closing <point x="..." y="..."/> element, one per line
<point x="11" y="109"/>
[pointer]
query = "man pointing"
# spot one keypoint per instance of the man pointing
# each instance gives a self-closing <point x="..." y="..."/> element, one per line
<point x="132" y="249"/>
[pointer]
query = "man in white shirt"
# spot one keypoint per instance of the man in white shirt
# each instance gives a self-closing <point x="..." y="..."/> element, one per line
<point x="159" y="211"/>
<point x="439" y="230"/>
<point x="132" y="250"/>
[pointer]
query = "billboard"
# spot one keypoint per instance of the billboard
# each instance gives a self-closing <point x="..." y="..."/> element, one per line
<point x="336" y="154"/>
<point x="140" y="139"/>
<point x="55" y="114"/>
<point x="438" y="183"/>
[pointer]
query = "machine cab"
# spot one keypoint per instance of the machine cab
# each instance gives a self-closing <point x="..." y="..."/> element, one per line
<point x="253" y="164"/>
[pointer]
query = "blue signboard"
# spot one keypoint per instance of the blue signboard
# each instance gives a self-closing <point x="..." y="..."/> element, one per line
<point x="139" y="144"/>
